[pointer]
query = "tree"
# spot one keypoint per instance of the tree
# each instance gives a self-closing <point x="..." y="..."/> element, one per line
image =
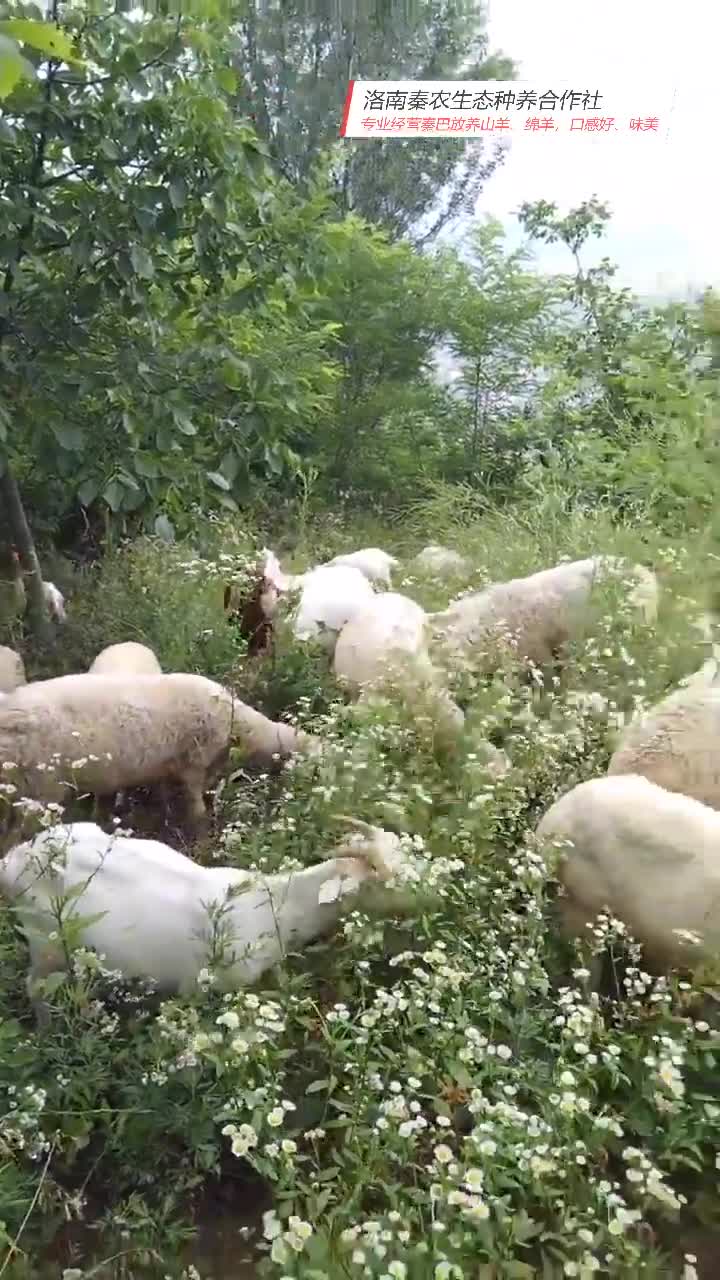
<point x="711" y="323"/>
<point x="627" y="363"/>
<point x="499" y="317"/>
<point x="296" y="61"/>
<point x="45" y="38"/>
<point x="158" y="339"/>
<point x="628" y="392"/>
<point x="384" y="300"/>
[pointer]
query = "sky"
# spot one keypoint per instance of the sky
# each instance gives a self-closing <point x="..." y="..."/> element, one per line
<point x="665" y="232"/>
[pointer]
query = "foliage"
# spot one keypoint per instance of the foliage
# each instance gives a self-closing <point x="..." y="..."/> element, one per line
<point x="618" y="363"/>
<point x="572" y="375"/>
<point x="501" y="318"/>
<point x="39" y="36"/>
<point x="140" y="220"/>
<point x="386" y="302"/>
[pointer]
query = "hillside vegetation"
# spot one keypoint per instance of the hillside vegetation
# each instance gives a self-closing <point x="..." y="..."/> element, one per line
<point x="214" y="337"/>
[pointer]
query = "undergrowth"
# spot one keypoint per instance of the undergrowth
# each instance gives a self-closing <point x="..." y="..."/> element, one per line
<point x="432" y="1095"/>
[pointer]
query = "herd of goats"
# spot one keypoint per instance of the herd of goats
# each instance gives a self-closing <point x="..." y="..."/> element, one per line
<point x="642" y="841"/>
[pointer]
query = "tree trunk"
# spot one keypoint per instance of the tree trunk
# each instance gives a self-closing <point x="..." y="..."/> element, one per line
<point x="14" y="514"/>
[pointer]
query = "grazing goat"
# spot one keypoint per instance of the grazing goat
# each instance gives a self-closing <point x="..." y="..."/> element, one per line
<point x="12" y="670"/>
<point x="104" y="733"/>
<point x="649" y="855"/>
<point x="154" y="914"/>
<point x="127" y="658"/>
<point x="330" y="597"/>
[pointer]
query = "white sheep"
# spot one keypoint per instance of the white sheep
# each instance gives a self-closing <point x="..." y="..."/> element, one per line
<point x="535" y="617"/>
<point x="12" y="670"/>
<point x="441" y="561"/>
<point x="651" y="856"/>
<point x="126" y="658"/>
<point x="154" y="914"/>
<point x="386" y="644"/>
<point x="677" y="743"/>
<point x="374" y="563"/>
<point x="104" y="733"/>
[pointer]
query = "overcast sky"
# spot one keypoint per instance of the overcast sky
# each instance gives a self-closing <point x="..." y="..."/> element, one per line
<point x="665" y="231"/>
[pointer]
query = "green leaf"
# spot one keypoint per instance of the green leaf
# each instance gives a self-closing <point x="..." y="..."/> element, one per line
<point x="69" y="437"/>
<point x="230" y="465"/>
<point x="239" y="300"/>
<point x="80" y="250"/>
<point x="12" y="67"/>
<point x="317" y="1085"/>
<point x="145" y="466"/>
<point x="272" y="460"/>
<point x="43" y="36"/>
<point x="228" y="503"/>
<point x="227" y="79"/>
<point x="109" y="148"/>
<point x="142" y="262"/>
<point x="88" y="491"/>
<point x="164" y="529"/>
<point x="53" y="982"/>
<point x="113" y="494"/>
<point x="178" y="192"/>
<point x="217" y="479"/>
<point x="183" y="422"/>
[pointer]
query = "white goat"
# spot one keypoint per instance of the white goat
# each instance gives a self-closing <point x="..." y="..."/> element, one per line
<point x="330" y="596"/>
<point x="374" y="563"/>
<point x="154" y="914"/>
<point x="649" y="855"/>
